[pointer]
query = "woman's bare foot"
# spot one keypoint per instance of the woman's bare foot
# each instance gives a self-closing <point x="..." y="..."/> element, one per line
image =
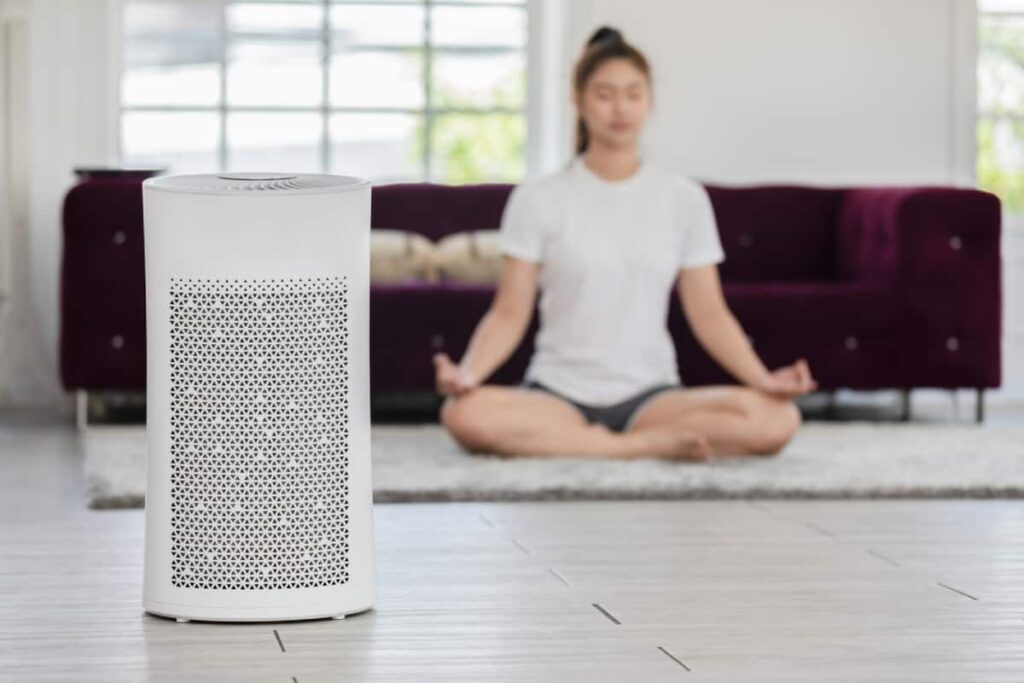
<point x="678" y="443"/>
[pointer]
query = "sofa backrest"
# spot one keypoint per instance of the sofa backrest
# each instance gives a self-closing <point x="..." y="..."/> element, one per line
<point x="436" y="210"/>
<point x="777" y="232"/>
<point x="769" y="232"/>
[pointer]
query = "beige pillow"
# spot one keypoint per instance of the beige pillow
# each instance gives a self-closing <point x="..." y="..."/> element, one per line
<point x="400" y="255"/>
<point x="470" y="256"/>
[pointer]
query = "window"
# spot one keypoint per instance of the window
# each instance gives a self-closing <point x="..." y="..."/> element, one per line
<point x="1000" y="162"/>
<point x="389" y="90"/>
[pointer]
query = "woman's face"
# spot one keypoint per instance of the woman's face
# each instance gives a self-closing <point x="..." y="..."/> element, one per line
<point x="615" y="103"/>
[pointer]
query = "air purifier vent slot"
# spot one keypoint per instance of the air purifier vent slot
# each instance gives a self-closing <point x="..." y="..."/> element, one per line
<point x="255" y="183"/>
<point x="259" y="433"/>
<point x="263" y="185"/>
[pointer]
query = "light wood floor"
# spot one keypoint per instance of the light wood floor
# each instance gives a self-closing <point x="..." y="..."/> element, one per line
<point x="640" y="591"/>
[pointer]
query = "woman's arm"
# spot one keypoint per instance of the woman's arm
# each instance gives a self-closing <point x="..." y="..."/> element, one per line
<point x="714" y="325"/>
<point x="499" y="331"/>
<point x="718" y="331"/>
<point x="502" y="327"/>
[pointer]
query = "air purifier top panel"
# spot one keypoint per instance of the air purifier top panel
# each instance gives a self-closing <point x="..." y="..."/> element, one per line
<point x="255" y="183"/>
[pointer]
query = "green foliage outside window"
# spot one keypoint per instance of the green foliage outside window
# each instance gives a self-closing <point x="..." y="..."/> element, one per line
<point x="1000" y="130"/>
<point x="471" y="147"/>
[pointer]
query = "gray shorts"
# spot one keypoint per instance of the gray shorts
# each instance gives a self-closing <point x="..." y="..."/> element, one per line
<point x="616" y="416"/>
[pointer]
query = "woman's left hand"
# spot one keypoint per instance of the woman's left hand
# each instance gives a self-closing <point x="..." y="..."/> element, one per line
<point x="790" y="380"/>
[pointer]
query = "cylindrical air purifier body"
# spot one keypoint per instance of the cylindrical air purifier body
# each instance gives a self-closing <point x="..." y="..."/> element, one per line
<point x="259" y="496"/>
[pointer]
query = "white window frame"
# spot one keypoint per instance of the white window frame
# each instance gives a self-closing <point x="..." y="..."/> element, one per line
<point x="543" y="113"/>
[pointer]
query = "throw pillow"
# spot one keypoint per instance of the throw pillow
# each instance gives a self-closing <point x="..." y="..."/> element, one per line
<point x="400" y="255"/>
<point x="470" y="256"/>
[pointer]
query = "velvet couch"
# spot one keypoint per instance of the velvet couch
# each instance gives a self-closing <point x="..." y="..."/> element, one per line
<point x="887" y="287"/>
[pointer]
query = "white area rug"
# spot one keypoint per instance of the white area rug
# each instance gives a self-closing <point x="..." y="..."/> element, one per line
<point x="824" y="460"/>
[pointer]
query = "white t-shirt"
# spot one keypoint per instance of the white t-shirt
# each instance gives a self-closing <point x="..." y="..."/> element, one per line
<point x="610" y="252"/>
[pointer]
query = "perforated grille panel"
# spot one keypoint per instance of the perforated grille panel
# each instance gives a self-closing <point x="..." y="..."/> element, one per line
<point x="259" y="433"/>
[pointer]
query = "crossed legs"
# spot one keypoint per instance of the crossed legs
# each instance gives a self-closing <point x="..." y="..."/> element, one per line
<point x="736" y="420"/>
<point x="687" y="423"/>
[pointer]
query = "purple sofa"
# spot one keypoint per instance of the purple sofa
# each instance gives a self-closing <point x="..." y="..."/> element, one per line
<point x="878" y="287"/>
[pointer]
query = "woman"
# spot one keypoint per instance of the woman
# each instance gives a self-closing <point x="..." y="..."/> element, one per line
<point x="605" y="240"/>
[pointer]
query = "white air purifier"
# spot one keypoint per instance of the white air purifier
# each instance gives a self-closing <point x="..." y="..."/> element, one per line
<point x="259" y="496"/>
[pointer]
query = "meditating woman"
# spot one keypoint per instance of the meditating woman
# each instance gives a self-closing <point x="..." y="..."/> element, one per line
<point x="605" y="240"/>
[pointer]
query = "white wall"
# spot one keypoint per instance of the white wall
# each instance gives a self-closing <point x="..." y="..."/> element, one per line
<point x="816" y="91"/>
<point x="71" y="98"/>
<point x="27" y="376"/>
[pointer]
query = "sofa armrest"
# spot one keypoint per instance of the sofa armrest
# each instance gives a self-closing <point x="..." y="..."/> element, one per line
<point x="939" y="250"/>
<point x="102" y="287"/>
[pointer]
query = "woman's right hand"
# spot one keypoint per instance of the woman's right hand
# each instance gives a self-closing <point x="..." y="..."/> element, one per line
<point x="451" y="378"/>
<point x="789" y="381"/>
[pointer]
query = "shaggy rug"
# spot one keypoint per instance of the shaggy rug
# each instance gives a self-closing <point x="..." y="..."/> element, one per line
<point x="824" y="460"/>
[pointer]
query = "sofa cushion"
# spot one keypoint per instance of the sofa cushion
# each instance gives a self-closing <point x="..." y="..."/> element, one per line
<point x="848" y="331"/>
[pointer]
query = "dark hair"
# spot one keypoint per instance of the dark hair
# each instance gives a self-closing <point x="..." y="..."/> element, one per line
<point x="606" y="43"/>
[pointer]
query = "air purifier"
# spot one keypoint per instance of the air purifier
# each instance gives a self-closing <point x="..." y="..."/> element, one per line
<point x="258" y="493"/>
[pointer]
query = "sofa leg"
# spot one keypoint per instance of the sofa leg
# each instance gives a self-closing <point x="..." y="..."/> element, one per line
<point x="905" y="404"/>
<point x="82" y="409"/>
<point x="830" y="407"/>
<point x="979" y="406"/>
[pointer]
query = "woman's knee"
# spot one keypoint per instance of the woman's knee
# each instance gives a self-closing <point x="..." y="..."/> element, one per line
<point x="461" y="416"/>
<point x="781" y="423"/>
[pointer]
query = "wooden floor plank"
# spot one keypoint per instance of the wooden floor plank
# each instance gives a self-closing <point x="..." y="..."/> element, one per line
<point x="767" y="590"/>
